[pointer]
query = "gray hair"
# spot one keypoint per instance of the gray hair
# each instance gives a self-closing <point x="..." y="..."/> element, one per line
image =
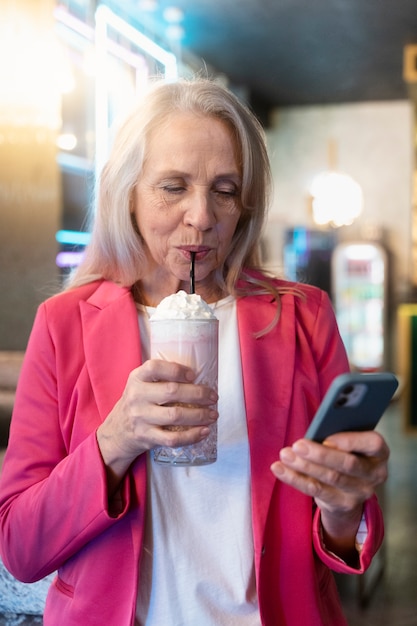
<point x="116" y="250"/>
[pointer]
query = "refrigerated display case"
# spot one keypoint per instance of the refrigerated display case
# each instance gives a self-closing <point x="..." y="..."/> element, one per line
<point x="359" y="287"/>
<point x="307" y="255"/>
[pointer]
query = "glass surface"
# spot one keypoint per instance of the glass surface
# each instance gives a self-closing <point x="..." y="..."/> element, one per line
<point x="360" y="284"/>
<point x="194" y="343"/>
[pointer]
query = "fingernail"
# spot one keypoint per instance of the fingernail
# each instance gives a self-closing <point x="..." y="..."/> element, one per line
<point x="287" y="454"/>
<point x="214" y="396"/>
<point x="277" y="468"/>
<point x="300" y="447"/>
<point x="213" y="414"/>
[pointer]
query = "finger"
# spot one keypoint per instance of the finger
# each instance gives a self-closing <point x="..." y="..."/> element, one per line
<point x="179" y="438"/>
<point x="368" y="443"/>
<point x="153" y="436"/>
<point x="325" y="495"/>
<point x="157" y="369"/>
<point x="334" y="475"/>
<point x="313" y="458"/>
<point x="181" y="393"/>
<point x="178" y="416"/>
<point x="306" y="484"/>
<point x="333" y="466"/>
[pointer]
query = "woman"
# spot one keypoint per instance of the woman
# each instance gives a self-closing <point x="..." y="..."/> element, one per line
<point x="137" y="543"/>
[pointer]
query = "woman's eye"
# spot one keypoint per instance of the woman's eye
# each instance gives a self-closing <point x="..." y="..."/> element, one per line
<point x="173" y="188"/>
<point x="231" y="192"/>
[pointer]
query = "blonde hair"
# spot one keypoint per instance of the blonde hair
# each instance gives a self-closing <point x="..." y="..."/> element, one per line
<point x="116" y="251"/>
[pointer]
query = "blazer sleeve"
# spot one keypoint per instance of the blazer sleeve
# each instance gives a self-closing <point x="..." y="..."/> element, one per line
<point x="52" y="501"/>
<point x="375" y="527"/>
<point x="331" y="360"/>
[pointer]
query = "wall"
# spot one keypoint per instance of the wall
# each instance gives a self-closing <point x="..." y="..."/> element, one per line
<point x="374" y="145"/>
<point x="29" y="176"/>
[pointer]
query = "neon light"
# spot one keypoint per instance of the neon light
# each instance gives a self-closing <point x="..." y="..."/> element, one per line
<point x="106" y="18"/>
<point x="74" y="162"/>
<point x="69" y="259"/>
<point x="72" y="237"/>
<point x="73" y="23"/>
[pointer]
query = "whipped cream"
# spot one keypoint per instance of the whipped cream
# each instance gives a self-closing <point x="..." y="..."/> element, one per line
<point x="182" y="306"/>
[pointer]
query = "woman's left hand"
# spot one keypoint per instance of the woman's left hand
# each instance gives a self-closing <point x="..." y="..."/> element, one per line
<point x="340" y="475"/>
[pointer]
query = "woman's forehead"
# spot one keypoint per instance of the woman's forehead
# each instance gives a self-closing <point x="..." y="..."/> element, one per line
<point x="191" y="135"/>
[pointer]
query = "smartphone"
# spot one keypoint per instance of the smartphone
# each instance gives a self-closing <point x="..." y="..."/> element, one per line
<point x="353" y="402"/>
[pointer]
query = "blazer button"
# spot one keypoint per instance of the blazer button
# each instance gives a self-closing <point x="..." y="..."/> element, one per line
<point x="263" y="550"/>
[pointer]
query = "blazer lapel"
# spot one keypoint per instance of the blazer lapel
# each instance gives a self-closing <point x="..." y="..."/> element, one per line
<point x="268" y="370"/>
<point x="112" y="351"/>
<point x="111" y="342"/>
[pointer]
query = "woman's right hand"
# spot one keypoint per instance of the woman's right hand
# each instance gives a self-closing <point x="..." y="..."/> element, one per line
<point x="158" y="395"/>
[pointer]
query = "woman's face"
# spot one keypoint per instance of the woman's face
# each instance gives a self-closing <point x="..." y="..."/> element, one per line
<point x="187" y="200"/>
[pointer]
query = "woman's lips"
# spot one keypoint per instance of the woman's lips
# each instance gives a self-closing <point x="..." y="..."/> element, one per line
<point x="199" y="253"/>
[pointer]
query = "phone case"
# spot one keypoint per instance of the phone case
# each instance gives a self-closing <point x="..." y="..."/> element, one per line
<point x="353" y="402"/>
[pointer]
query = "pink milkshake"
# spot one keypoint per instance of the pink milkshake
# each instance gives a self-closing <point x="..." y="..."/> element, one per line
<point x="185" y="330"/>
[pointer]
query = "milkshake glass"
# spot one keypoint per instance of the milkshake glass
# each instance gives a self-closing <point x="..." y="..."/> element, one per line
<point x="185" y="330"/>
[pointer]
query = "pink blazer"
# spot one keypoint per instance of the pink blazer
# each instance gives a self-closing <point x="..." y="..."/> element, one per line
<point x="53" y="501"/>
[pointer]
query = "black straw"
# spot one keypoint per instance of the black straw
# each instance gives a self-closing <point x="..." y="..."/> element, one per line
<point x="192" y="285"/>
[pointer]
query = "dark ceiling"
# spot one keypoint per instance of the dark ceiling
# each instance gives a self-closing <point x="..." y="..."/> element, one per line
<point x="296" y="52"/>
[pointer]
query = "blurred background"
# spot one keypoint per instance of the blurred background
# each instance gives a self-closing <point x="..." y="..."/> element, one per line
<point x="334" y="83"/>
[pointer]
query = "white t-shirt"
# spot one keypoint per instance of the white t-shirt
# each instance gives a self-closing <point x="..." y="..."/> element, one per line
<point x="198" y="562"/>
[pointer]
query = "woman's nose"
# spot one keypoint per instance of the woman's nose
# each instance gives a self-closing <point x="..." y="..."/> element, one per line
<point x="199" y="211"/>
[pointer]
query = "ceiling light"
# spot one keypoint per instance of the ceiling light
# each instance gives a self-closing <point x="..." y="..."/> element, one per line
<point x="337" y="199"/>
<point x="66" y="141"/>
<point x="173" y="15"/>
